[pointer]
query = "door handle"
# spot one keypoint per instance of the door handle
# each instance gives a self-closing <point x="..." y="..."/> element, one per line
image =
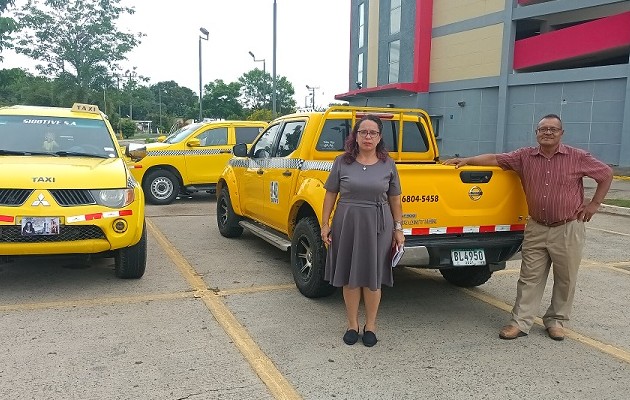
<point x="287" y="173"/>
<point x="260" y="172"/>
<point x="224" y="151"/>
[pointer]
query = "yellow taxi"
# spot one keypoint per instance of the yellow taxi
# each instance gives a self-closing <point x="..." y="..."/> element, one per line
<point x="66" y="189"/>
<point x="191" y="159"/>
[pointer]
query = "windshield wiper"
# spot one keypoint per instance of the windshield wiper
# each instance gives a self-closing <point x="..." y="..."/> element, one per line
<point x="78" y="154"/>
<point x="26" y="153"/>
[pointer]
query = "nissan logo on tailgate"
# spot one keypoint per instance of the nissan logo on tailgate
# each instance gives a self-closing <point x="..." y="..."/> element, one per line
<point x="475" y="193"/>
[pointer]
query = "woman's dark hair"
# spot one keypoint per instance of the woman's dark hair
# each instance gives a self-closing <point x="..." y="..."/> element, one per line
<point x="352" y="147"/>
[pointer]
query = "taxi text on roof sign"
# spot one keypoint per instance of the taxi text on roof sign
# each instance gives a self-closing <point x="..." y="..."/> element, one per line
<point x="88" y="108"/>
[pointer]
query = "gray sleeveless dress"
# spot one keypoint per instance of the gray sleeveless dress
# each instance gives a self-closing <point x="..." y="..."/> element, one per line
<point x="362" y="227"/>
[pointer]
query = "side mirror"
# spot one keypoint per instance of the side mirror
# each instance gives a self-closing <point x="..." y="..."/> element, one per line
<point x="135" y="151"/>
<point x="193" y="143"/>
<point x="161" y="139"/>
<point x="240" y="150"/>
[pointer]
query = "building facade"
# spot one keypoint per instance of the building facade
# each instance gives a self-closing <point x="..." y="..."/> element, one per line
<point x="488" y="70"/>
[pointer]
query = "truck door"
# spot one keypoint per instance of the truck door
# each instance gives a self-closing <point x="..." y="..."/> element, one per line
<point x="257" y="164"/>
<point x="205" y="163"/>
<point x="280" y="176"/>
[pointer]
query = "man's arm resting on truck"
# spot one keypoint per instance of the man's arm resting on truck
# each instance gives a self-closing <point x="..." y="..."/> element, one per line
<point x="481" y="160"/>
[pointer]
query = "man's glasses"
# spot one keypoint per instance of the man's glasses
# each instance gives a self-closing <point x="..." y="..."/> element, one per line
<point x="366" y="133"/>
<point x="551" y="129"/>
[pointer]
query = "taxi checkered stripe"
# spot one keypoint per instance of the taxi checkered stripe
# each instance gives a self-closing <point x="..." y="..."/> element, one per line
<point x="288" y="163"/>
<point x="202" y="152"/>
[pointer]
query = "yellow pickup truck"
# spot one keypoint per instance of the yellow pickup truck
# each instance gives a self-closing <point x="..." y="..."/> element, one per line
<point x="191" y="158"/>
<point x="465" y="222"/>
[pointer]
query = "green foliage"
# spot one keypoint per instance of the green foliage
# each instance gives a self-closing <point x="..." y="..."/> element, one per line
<point x="257" y="88"/>
<point x="7" y="26"/>
<point x="128" y="128"/>
<point x="260" y="115"/>
<point x="82" y="52"/>
<point x="220" y="100"/>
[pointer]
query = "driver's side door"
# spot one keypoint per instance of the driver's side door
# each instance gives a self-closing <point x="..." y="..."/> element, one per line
<point x="252" y="199"/>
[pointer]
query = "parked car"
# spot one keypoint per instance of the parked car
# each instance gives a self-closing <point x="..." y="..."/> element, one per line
<point x="191" y="158"/>
<point x="464" y="222"/>
<point x="66" y="189"/>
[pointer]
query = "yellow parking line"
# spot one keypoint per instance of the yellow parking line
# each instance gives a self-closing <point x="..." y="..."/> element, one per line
<point x="277" y="384"/>
<point x="96" y="302"/>
<point x="254" y="289"/>
<point x="601" y="346"/>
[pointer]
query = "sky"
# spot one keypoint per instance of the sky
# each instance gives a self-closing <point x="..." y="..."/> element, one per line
<point x="312" y="43"/>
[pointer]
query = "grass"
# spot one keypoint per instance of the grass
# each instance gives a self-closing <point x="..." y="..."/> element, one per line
<point x="617" y="202"/>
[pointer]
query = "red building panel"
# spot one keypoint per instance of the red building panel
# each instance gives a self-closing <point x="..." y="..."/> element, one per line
<point x="587" y="39"/>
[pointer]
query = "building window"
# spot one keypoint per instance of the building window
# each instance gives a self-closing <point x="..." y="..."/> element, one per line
<point x="361" y="19"/>
<point x="360" y="68"/>
<point x="394" y="16"/>
<point x="394" y="61"/>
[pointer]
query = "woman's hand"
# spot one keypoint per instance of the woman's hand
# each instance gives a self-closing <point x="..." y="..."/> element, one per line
<point x="326" y="234"/>
<point x="399" y="239"/>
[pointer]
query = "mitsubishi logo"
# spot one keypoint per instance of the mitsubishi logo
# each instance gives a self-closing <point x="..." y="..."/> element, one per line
<point x="40" y="201"/>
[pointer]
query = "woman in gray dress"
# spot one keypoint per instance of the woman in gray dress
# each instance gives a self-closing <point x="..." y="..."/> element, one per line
<point x="366" y="226"/>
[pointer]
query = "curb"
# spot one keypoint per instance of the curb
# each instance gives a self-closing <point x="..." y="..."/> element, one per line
<point x="621" y="178"/>
<point x="615" y="210"/>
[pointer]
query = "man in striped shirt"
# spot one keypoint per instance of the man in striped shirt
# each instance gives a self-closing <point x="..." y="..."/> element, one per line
<point x="551" y="175"/>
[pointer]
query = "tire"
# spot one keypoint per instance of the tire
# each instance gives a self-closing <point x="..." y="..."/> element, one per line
<point x="160" y="187"/>
<point x="308" y="259"/>
<point x="227" y="220"/>
<point x="132" y="261"/>
<point x="467" y="276"/>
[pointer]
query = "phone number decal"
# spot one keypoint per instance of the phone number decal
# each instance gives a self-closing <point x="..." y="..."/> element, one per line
<point x="432" y="198"/>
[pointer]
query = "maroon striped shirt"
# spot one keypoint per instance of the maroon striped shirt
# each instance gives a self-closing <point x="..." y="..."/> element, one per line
<point x="553" y="186"/>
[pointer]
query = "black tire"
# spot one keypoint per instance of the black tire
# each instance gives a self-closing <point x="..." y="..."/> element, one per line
<point x="467" y="276"/>
<point x="227" y="220"/>
<point x="308" y="259"/>
<point x="160" y="187"/>
<point x="132" y="261"/>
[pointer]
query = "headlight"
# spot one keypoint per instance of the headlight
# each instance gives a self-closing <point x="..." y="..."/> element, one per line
<point x="114" y="198"/>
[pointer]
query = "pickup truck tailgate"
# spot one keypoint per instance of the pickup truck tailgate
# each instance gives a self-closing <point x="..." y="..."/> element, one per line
<point x="444" y="198"/>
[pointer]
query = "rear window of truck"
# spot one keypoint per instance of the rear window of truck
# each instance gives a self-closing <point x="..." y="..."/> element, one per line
<point x="335" y="132"/>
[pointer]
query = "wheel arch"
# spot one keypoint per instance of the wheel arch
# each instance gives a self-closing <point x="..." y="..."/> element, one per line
<point x="165" y="167"/>
<point x="228" y="180"/>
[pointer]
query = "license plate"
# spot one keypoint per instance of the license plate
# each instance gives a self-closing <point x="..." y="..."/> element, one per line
<point x="468" y="257"/>
<point x="40" y="226"/>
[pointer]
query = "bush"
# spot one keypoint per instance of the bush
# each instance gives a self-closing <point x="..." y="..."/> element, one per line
<point x="127" y="127"/>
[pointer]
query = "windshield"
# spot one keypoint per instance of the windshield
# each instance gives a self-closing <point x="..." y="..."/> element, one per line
<point x="56" y="136"/>
<point x="182" y="133"/>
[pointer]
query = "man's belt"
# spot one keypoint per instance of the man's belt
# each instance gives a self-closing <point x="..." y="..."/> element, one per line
<point x="554" y="224"/>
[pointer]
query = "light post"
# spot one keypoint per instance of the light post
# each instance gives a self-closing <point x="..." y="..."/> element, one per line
<point x="205" y="33"/>
<point x="312" y="89"/>
<point x="160" y="100"/>
<point x="255" y="60"/>
<point x="273" y="92"/>
<point x="130" y="75"/>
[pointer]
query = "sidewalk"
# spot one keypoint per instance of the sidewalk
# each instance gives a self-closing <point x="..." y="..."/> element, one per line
<point x="619" y="189"/>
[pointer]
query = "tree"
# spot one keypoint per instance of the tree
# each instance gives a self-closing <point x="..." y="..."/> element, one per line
<point x="76" y="39"/>
<point x="256" y="91"/>
<point x="7" y="26"/>
<point x="220" y="100"/>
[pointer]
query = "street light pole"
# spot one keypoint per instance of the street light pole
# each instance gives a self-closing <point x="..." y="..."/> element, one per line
<point x="255" y="60"/>
<point x="273" y="93"/>
<point x="160" y="100"/>
<point x="312" y="90"/>
<point x="130" y="75"/>
<point x="205" y="32"/>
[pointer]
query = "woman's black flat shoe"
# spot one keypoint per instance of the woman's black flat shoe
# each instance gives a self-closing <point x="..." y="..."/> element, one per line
<point x="351" y="336"/>
<point x="369" y="338"/>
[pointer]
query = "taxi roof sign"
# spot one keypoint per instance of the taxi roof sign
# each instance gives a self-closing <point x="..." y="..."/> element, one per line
<point x="87" y="108"/>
